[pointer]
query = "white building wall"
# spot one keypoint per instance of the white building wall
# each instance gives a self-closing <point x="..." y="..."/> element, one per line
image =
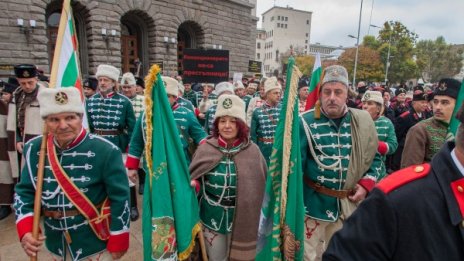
<point x="285" y="27"/>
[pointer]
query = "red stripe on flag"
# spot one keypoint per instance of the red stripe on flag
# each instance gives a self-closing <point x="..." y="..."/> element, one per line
<point x="312" y="98"/>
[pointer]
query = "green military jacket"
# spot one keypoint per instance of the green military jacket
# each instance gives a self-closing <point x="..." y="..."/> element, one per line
<point x="385" y="133"/>
<point x="328" y="165"/>
<point x="114" y="113"/>
<point x="216" y="186"/>
<point x="263" y="125"/>
<point x="95" y="166"/>
<point x="247" y="99"/>
<point x="191" y="96"/>
<point x="188" y="127"/>
<point x="210" y="116"/>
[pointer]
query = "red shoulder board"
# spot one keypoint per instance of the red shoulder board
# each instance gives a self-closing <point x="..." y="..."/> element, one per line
<point x="403" y="176"/>
<point x="404" y="114"/>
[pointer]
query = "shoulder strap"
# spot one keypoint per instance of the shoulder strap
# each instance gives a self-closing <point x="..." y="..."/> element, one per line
<point x="72" y="192"/>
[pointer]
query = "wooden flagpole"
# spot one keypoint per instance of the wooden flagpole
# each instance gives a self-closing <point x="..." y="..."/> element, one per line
<point x="201" y="238"/>
<point x="43" y="146"/>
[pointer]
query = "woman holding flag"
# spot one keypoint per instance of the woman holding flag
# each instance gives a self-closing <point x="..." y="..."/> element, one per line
<point x="223" y="169"/>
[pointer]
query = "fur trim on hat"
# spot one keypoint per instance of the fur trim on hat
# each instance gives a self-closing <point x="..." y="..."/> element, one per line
<point x="181" y="88"/>
<point x="108" y="71"/>
<point x="230" y="105"/>
<point x="374" y="96"/>
<point x="238" y="85"/>
<point x="271" y="84"/>
<point x="65" y="99"/>
<point x="223" y="87"/>
<point x="128" y="79"/>
<point x="335" y="73"/>
<point x="172" y="85"/>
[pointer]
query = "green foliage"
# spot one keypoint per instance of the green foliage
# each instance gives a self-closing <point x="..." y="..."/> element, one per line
<point x="370" y="67"/>
<point x="437" y="59"/>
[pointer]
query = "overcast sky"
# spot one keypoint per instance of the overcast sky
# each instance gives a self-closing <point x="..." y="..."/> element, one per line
<point x="333" y="20"/>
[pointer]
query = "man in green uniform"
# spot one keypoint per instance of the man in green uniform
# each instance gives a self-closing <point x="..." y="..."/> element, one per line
<point x="190" y="131"/>
<point x="84" y="178"/>
<point x="337" y="149"/>
<point x="265" y="118"/>
<point x="239" y="90"/>
<point x="112" y="117"/>
<point x="426" y="137"/>
<point x="190" y="94"/>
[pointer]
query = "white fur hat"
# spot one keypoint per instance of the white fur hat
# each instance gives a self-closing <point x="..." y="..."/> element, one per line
<point x="108" y="71"/>
<point x="128" y="79"/>
<point x="181" y="88"/>
<point x="271" y="84"/>
<point x="375" y="96"/>
<point x="238" y="85"/>
<point x="230" y="105"/>
<point x="223" y="87"/>
<point x="172" y="85"/>
<point x="65" y="99"/>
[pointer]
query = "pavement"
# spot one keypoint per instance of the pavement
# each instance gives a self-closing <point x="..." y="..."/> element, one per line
<point x="11" y="250"/>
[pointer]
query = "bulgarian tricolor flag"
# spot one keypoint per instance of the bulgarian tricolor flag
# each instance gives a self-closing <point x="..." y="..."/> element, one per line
<point x="65" y="67"/>
<point x="314" y="84"/>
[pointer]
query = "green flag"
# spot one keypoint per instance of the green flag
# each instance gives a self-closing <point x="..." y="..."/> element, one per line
<point x="281" y="228"/>
<point x="454" y="123"/>
<point x="170" y="219"/>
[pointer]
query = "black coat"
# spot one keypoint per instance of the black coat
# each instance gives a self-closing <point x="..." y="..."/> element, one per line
<point x="420" y="220"/>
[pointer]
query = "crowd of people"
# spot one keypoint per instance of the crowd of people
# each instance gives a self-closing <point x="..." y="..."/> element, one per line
<point x="388" y="147"/>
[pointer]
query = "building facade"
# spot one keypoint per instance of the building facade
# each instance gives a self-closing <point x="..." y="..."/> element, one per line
<point x="326" y="51"/>
<point x="129" y="34"/>
<point x="285" y="28"/>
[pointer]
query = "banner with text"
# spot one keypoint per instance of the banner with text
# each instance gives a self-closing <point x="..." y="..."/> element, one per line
<point x="211" y="66"/>
<point x="254" y="66"/>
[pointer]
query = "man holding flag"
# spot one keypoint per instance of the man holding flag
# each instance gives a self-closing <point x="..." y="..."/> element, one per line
<point x="338" y="146"/>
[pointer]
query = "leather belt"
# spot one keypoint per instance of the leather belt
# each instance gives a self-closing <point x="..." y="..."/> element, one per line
<point x="266" y="139"/>
<point x="224" y="202"/>
<point x="327" y="191"/>
<point x="58" y="214"/>
<point x="108" y="132"/>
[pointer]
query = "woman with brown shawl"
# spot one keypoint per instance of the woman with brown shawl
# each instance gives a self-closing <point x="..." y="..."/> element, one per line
<point x="229" y="172"/>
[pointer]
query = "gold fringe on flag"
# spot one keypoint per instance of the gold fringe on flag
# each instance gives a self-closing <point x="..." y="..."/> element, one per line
<point x="186" y="253"/>
<point x="293" y="92"/>
<point x="150" y="80"/>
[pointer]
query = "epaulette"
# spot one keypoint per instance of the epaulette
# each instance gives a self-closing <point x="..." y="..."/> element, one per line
<point x="404" y="114"/>
<point x="403" y="176"/>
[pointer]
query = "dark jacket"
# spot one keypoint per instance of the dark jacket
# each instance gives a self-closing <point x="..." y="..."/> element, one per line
<point x="409" y="216"/>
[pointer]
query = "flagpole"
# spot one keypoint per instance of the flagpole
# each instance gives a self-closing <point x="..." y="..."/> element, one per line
<point x="59" y="42"/>
<point x="43" y="145"/>
<point x="201" y="238"/>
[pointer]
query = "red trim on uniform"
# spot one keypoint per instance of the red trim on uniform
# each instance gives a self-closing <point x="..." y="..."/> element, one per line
<point x="458" y="190"/>
<point x="203" y="141"/>
<point x="24" y="226"/>
<point x="132" y="162"/>
<point x="404" y="114"/>
<point x="118" y="243"/>
<point x="366" y="183"/>
<point x="402" y="177"/>
<point x="223" y="143"/>
<point x="77" y="140"/>
<point x="175" y="106"/>
<point x="196" y="185"/>
<point x="382" y="148"/>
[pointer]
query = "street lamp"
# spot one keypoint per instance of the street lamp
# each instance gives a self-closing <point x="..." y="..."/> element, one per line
<point x="387" y="62"/>
<point x="357" y="45"/>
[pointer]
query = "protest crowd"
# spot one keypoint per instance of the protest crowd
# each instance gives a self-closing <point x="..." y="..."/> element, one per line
<point x="244" y="168"/>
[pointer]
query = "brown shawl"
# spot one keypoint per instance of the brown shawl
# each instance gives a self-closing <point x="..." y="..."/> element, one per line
<point x="251" y="178"/>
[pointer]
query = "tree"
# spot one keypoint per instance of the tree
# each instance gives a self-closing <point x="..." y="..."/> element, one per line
<point x="397" y="37"/>
<point x="437" y="59"/>
<point x="370" y="67"/>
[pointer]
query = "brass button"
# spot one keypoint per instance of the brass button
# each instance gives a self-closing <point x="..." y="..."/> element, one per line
<point x="460" y="189"/>
<point x="419" y="169"/>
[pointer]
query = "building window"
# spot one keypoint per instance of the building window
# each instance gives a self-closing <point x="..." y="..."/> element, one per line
<point x="277" y="55"/>
<point x="278" y="18"/>
<point x="285" y="25"/>
<point x="278" y="25"/>
<point x="272" y="18"/>
<point x="286" y="18"/>
<point x="263" y="18"/>
<point x="258" y="56"/>
<point x="258" y="45"/>
<point x="307" y="34"/>
<point x="307" y="21"/>
<point x="306" y="41"/>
